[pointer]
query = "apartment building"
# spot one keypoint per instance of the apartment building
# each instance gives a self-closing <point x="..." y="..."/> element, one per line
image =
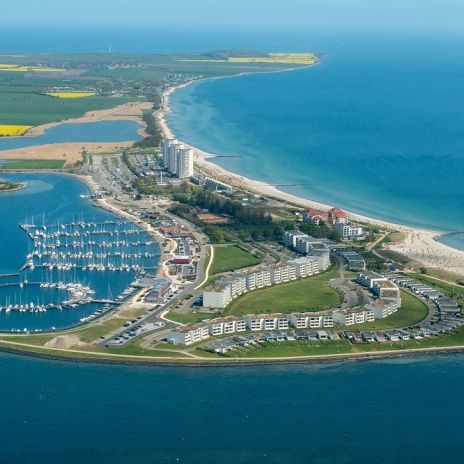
<point x="188" y="334"/>
<point x="352" y="316"/>
<point x="225" y="325"/>
<point x="311" y="320"/>
<point x="267" y="322"/>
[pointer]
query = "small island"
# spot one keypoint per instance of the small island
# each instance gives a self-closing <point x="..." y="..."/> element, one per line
<point x="11" y="186"/>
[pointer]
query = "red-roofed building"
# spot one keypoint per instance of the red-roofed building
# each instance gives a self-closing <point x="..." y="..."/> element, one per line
<point x="312" y="216"/>
<point x="337" y="215"/>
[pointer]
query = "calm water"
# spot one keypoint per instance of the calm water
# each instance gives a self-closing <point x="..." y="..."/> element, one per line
<point x="377" y="128"/>
<point x="101" y="131"/>
<point x="382" y="412"/>
<point x="53" y="199"/>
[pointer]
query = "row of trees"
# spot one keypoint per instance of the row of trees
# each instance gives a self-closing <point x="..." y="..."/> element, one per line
<point x="155" y="136"/>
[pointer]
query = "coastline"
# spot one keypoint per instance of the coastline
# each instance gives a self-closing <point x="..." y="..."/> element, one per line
<point x="420" y="245"/>
<point x="95" y="357"/>
<point x="21" y="185"/>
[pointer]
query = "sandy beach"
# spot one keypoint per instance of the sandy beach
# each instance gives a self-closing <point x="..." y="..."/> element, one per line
<point x="420" y="244"/>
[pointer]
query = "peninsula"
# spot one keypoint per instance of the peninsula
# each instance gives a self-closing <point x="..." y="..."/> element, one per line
<point x="247" y="274"/>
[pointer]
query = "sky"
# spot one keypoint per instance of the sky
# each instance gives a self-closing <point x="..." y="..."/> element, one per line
<point x="279" y="15"/>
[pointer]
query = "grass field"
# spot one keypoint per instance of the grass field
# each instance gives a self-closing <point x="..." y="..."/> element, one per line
<point x="412" y="311"/>
<point x="232" y="257"/>
<point x="31" y="164"/>
<point x="310" y="294"/>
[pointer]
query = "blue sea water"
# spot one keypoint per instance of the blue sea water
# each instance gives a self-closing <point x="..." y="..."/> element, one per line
<point x="376" y="128"/>
<point x="101" y="131"/>
<point x="403" y="411"/>
<point x="51" y="199"/>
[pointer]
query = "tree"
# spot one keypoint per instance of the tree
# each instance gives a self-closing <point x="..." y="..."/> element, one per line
<point x="217" y="236"/>
<point x="255" y="234"/>
<point x="242" y="235"/>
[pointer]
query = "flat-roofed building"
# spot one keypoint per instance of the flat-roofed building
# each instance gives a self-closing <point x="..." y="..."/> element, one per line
<point x="311" y="320"/>
<point x="217" y="296"/>
<point x="267" y="322"/>
<point x="383" y="308"/>
<point x="352" y="316"/>
<point x="283" y="272"/>
<point x="187" y="334"/>
<point x="386" y="290"/>
<point x="225" y="325"/>
<point x="258" y="279"/>
<point x="305" y="266"/>
<point x="290" y="237"/>
<point x="322" y="255"/>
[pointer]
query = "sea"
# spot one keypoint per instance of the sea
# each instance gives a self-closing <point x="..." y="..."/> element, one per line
<point x="393" y="411"/>
<point x="375" y="128"/>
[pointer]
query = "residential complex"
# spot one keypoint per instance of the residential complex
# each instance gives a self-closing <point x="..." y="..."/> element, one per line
<point x="226" y="289"/>
<point x="311" y="247"/>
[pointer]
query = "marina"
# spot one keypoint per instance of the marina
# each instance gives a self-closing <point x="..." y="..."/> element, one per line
<point x="77" y="264"/>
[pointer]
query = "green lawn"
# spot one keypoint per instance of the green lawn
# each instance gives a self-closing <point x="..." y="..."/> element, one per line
<point x="412" y="312"/>
<point x="232" y="257"/>
<point x="310" y="294"/>
<point x="32" y="164"/>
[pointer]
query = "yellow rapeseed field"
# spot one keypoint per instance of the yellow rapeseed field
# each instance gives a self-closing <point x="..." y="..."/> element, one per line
<point x="277" y="58"/>
<point x="11" y="129"/>
<point x="71" y="94"/>
<point x="20" y="68"/>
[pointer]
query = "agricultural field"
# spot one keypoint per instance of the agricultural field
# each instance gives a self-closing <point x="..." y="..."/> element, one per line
<point x="71" y="94"/>
<point x="9" y="130"/>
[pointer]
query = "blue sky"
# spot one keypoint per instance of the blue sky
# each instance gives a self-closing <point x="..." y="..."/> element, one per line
<point x="401" y="15"/>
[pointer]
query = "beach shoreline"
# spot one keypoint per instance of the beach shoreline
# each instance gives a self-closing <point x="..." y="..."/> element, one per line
<point x="420" y="244"/>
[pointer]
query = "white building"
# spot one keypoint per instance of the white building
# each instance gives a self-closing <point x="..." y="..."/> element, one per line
<point x="283" y="272"/>
<point x="218" y="296"/>
<point x="184" y="163"/>
<point x="290" y="237"/>
<point x="312" y="320"/>
<point x="305" y="266"/>
<point x="267" y="322"/>
<point x="258" y="279"/>
<point x="225" y="326"/>
<point x="322" y="255"/>
<point x="349" y="231"/>
<point x="352" y="316"/>
<point x="383" y="308"/>
<point x="187" y="334"/>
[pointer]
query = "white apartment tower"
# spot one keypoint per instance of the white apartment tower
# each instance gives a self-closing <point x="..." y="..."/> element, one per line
<point x="184" y="166"/>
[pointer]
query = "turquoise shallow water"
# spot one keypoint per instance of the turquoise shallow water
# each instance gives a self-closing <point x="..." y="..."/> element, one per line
<point x="404" y="411"/>
<point x="376" y="128"/>
<point x="101" y="131"/>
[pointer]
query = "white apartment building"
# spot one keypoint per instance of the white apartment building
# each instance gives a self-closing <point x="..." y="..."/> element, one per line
<point x="386" y="290"/>
<point x="267" y="322"/>
<point x="187" y="334"/>
<point x="290" y="237"/>
<point x="184" y="164"/>
<point x="349" y="231"/>
<point x="383" y="308"/>
<point x="322" y="255"/>
<point x="218" y="296"/>
<point x="312" y="320"/>
<point x="225" y="326"/>
<point x="352" y="316"/>
<point x="281" y="273"/>
<point x="305" y="266"/>
<point x="258" y="279"/>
